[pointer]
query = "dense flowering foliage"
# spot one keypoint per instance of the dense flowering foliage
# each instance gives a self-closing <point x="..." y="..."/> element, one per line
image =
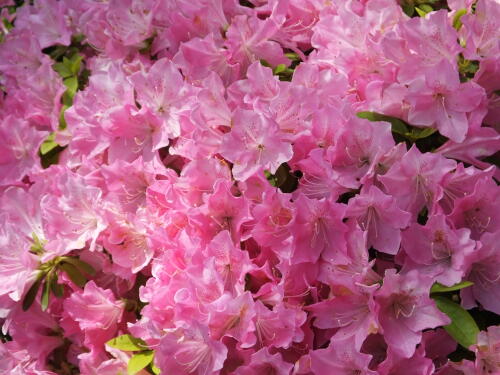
<point x="250" y="187"/>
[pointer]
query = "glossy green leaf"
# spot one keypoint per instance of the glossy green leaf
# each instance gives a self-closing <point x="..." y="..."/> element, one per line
<point x="409" y="9"/>
<point x="420" y="133"/>
<point x="80" y="264"/>
<point x="423" y="9"/>
<point x="45" y="294"/>
<point x="49" y="144"/>
<point x="62" y="120"/>
<point x="463" y="328"/>
<point x="139" y="361"/>
<point x="57" y="289"/>
<point x="280" y="69"/>
<point x="30" y="295"/>
<point x="292" y="56"/>
<point x="74" y="63"/>
<point x="155" y="369"/>
<point x="63" y="69"/>
<point x="74" y="274"/>
<point x="440" y="288"/>
<point x="457" y="19"/>
<point x="37" y="246"/>
<point x="127" y="343"/>
<point x="398" y="126"/>
<point x="71" y="84"/>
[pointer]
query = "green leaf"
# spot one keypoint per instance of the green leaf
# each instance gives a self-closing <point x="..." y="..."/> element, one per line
<point x="63" y="69"/>
<point x="463" y="328"/>
<point x="265" y="63"/>
<point x="409" y="9"/>
<point x="72" y="85"/>
<point x="155" y="369"/>
<point x="271" y="178"/>
<point x="57" y="289"/>
<point x="420" y="133"/>
<point x="74" y="63"/>
<point x="139" y="361"/>
<point x="74" y="274"/>
<point x="440" y="288"/>
<point x="37" y="247"/>
<point x="49" y="144"/>
<point x="398" y="126"/>
<point x="45" y="293"/>
<point x="62" y="120"/>
<point x="30" y="296"/>
<point x="80" y="264"/>
<point x="292" y="56"/>
<point x="423" y="9"/>
<point x="279" y="69"/>
<point x="127" y="343"/>
<point x="457" y="19"/>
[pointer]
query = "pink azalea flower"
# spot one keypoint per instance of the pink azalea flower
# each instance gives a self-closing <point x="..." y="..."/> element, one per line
<point x="318" y="230"/>
<point x="21" y="230"/>
<point x="253" y="145"/>
<point x="358" y="148"/>
<point x="130" y="21"/>
<point x="481" y="31"/>
<point x="231" y="262"/>
<point x="341" y="357"/>
<point x="486" y="349"/>
<point x="128" y="241"/>
<point x="198" y="57"/>
<point x="396" y="364"/>
<point x="459" y="183"/>
<point x="437" y="250"/>
<point x="163" y="91"/>
<point x="478" y="211"/>
<point x="46" y="20"/>
<point x="478" y="144"/>
<point x="431" y="38"/>
<point x="249" y="39"/>
<point x="190" y="351"/>
<point x="378" y="214"/>
<point x="415" y="180"/>
<point x="20" y="54"/>
<point x="94" y="308"/>
<point x="263" y="362"/>
<point x="73" y="215"/>
<point x="226" y="211"/>
<point x="351" y="312"/>
<point x="233" y="317"/>
<point x="19" y="144"/>
<point x="273" y="217"/>
<point x="439" y="99"/>
<point x="277" y="327"/>
<point x="484" y="272"/>
<point x="405" y="309"/>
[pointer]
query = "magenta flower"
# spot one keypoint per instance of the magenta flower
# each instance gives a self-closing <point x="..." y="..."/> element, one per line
<point x="484" y="272"/>
<point x="378" y="214"/>
<point x="341" y="357"/>
<point x="438" y="251"/>
<point x="190" y="351"/>
<point x="439" y="99"/>
<point x="415" y="180"/>
<point x="318" y="230"/>
<point x="405" y="309"/>
<point x="163" y="90"/>
<point x="254" y="144"/>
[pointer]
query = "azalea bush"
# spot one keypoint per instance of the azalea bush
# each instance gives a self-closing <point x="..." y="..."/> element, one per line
<point x="250" y="187"/>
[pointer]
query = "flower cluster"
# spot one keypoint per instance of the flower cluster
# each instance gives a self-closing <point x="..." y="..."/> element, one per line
<point x="249" y="187"/>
